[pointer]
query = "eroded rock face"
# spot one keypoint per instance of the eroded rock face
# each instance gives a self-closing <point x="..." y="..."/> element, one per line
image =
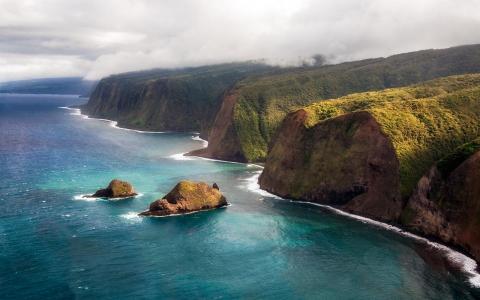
<point x="116" y="189"/>
<point x="243" y="126"/>
<point x="223" y="142"/>
<point x="447" y="206"/>
<point x="346" y="162"/>
<point x="187" y="196"/>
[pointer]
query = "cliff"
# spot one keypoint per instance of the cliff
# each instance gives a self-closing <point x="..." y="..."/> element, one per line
<point x="255" y="106"/>
<point x="167" y="100"/>
<point x="365" y="152"/>
<point x="446" y="202"/>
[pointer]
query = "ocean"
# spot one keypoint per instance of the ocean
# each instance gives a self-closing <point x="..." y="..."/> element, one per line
<point x="54" y="244"/>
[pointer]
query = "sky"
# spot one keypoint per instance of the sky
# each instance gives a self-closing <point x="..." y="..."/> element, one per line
<point x="92" y="39"/>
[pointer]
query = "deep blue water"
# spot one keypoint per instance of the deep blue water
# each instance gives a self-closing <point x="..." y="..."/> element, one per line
<point x="55" y="247"/>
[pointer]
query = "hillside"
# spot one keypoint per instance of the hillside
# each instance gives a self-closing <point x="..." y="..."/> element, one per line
<point x="421" y="124"/>
<point x="404" y="155"/>
<point x="253" y="109"/>
<point x="171" y="100"/>
<point x="445" y="203"/>
<point x="62" y="86"/>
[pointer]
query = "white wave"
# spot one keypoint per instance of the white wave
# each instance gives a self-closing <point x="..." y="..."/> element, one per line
<point x="467" y="264"/>
<point x="132" y="216"/>
<point x="198" y="138"/>
<point x="181" y="156"/>
<point x="85" y="197"/>
<point x="111" y="123"/>
<point x="66" y="107"/>
<point x="252" y="185"/>
<point x="189" y="213"/>
<point x="219" y="160"/>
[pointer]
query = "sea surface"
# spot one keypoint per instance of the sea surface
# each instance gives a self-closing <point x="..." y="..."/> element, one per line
<point x="56" y="245"/>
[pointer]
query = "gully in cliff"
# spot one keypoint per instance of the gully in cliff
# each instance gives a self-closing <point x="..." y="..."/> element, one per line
<point x="186" y="197"/>
<point x="116" y="189"/>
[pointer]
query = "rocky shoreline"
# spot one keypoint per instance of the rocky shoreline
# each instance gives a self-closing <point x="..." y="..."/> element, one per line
<point x="458" y="256"/>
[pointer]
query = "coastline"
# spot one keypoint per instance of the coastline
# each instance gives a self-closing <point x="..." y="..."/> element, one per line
<point x="467" y="265"/>
<point x="114" y="124"/>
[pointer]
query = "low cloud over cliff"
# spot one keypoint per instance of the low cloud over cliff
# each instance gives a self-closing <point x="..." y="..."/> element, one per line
<point x="96" y="38"/>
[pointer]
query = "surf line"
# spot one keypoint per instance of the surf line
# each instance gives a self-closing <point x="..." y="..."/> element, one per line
<point x="114" y="124"/>
<point x="467" y="264"/>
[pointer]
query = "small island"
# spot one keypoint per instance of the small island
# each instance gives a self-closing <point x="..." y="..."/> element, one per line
<point x="186" y="197"/>
<point x="115" y="189"/>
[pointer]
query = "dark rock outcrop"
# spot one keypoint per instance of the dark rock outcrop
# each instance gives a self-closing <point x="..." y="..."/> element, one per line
<point x="187" y="196"/>
<point x="116" y="189"/>
<point x="346" y="162"/>
<point x="446" y="206"/>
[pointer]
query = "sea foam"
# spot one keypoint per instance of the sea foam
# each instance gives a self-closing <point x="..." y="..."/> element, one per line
<point x="198" y="138"/>
<point x="181" y="156"/>
<point x="111" y="123"/>
<point x="82" y="197"/>
<point x="467" y="264"/>
<point x="132" y="216"/>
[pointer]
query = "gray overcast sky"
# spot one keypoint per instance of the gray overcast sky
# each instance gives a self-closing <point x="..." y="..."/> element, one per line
<point x="94" y="38"/>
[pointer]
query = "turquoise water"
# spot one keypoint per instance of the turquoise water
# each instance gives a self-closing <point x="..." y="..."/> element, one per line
<point x="53" y="246"/>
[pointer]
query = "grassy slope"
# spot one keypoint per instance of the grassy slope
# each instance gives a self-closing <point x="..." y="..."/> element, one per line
<point x="182" y="99"/>
<point x="425" y="122"/>
<point x="264" y="101"/>
<point x="450" y="162"/>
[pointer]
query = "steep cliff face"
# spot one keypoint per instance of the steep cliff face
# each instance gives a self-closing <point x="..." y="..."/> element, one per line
<point x="446" y="205"/>
<point x="262" y="102"/>
<point x="365" y="152"/>
<point x="222" y="136"/>
<point x="345" y="161"/>
<point x="167" y="100"/>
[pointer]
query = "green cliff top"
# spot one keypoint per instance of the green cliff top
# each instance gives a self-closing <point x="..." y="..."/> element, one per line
<point x="450" y="162"/>
<point x="263" y="101"/>
<point x="425" y="122"/>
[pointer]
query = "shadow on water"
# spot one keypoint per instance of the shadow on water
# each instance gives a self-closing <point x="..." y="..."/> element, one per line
<point x="341" y="230"/>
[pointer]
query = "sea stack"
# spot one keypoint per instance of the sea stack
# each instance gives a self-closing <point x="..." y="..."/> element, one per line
<point x="185" y="197"/>
<point x="115" y="189"/>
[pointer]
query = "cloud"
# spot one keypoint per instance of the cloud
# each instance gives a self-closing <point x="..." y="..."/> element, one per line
<point x="97" y="38"/>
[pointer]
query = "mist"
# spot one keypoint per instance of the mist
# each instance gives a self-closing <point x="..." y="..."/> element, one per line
<point x="93" y="39"/>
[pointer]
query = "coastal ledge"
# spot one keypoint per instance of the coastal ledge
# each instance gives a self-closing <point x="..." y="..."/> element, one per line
<point x="187" y="197"/>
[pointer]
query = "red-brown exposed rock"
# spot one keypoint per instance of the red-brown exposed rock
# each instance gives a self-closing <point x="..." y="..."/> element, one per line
<point x="223" y="141"/>
<point x="187" y="196"/>
<point x="346" y="162"/>
<point x="447" y="206"/>
<point x="116" y="189"/>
